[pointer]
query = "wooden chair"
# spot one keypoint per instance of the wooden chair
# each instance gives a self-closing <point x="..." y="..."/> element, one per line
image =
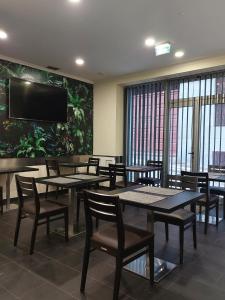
<point x="93" y="162"/>
<point x="124" y="242"/>
<point x="152" y="180"/>
<point x="43" y="212"/>
<point x="52" y="168"/>
<point x="118" y="170"/>
<point x="181" y="217"/>
<point x="210" y="201"/>
<point x="1" y="199"/>
<point x="218" y="190"/>
<point x="104" y="171"/>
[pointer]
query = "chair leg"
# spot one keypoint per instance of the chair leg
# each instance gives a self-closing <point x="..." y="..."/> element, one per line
<point x="1" y="200"/>
<point x="97" y="223"/>
<point x="66" y="223"/>
<point x="194" y="234"/>
<point x="151" y="262"/>
<point x="217" y="214"/>
<point x="1" y="207"/>
<point x="78" y="210"/>
<point x="48" y="226"/>
<point x="33" y="238"/>
<point x="46" y="192"/>
<point x="85" y="266"/>
<point x="181" y="244"/>
<point x="167" y="231"/>
<point x="56" y="193"/>
<point x="206" y="219"/>
<point x="224" y="207"/>
<point x="117" y="278"/>
<point x="17" y="227"/>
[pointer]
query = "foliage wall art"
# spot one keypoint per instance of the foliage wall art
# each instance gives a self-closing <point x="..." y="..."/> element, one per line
<point x="20" y="138"/>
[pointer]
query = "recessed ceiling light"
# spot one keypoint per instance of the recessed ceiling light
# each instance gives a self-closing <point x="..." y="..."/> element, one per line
<point x="3" y="35"/>
<point x="179" y="54"/>
<point x="161" y="49"/>
<point x="27" y="82"/>
<point x="74" y="1"/>
<point x="150" y="42"/>
<point x="79" y="61"/>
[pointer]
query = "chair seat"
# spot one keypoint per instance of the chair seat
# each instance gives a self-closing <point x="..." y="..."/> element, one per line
<point x="213" y="199"/>
<point x="179" y="216"/>
<point x="133" y="237"/>
<point x="149" y="180"/>
<point x="45" y="207"/>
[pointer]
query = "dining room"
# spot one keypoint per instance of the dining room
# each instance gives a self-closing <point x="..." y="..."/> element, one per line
<point x="112" y="150"/>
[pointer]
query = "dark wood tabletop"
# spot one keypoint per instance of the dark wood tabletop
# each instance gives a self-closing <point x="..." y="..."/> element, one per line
<point x="74" y="164"/>
<point x="167" y="203"/>
<point x="71" y="181"/>
<point x="219" y="177"/>
<point x="139" y="168"/>
<point x="12" y="170"/>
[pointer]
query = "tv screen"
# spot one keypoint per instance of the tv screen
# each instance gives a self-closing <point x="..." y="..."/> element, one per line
<point x="35" y="101"/>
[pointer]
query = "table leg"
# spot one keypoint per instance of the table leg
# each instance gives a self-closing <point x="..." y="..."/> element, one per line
<point x="71" y="204"/>
<point x="74" y="229"/>
<point x="7" y="191"/>
<point x="140" y="266"/>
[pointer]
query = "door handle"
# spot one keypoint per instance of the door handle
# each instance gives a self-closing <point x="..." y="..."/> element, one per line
<point x="191" y="153"/>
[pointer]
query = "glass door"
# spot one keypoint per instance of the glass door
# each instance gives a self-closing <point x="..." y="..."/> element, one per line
<point x="194" y="140"/>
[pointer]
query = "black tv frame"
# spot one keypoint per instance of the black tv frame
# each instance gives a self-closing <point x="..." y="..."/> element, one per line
<point x="30" y="119"/>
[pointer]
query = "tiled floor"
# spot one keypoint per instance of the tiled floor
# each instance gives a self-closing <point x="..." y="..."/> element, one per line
<point x="53" y="272"/>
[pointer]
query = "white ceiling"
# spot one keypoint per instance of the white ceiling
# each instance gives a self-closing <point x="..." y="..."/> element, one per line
<point x="110" y="34"/>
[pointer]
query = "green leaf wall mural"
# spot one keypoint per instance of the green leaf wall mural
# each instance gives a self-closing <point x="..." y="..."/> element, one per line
<point x="20" y="138"/>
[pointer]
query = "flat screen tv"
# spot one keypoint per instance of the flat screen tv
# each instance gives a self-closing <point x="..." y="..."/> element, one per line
<point x="35" y="101"/>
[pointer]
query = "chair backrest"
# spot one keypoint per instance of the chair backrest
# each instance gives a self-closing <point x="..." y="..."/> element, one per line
<point x="26" y="189"/>
<point x="200" y="182"/>
<point x="107" y="171"/>
<point x="118" y="170"/>
<point x="93" y="162"/>
<point x="216" y="168"/>
<point x="106" y="208"/>
<point x="155" y="163"/>
<point x="189" y="183"/>
<point x="52" y="165"/>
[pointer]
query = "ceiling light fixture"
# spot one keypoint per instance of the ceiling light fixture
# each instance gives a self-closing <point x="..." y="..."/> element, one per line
<point x="79" y="61"/>
<point x="162" y="49"/>
<point x="3" y="35"/>
<point x="149" y="42"/>
<point x="74" y="1"/>
<point x="179" y="54"/>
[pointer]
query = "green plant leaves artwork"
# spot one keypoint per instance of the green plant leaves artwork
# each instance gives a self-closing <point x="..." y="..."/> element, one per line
<point x="20" y="138"/>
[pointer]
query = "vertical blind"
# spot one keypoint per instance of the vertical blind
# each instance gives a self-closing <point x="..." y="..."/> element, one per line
<point x="196" y="122"/>
<point x="144" y="123"/>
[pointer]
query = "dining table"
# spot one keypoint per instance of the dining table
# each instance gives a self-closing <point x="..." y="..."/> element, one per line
<point x="73" y="183"/>
<point x="143" y="169"/>
<point x="161" y="200"/>
<point x="9" y="171"/>
<point x="137" y="169"/>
